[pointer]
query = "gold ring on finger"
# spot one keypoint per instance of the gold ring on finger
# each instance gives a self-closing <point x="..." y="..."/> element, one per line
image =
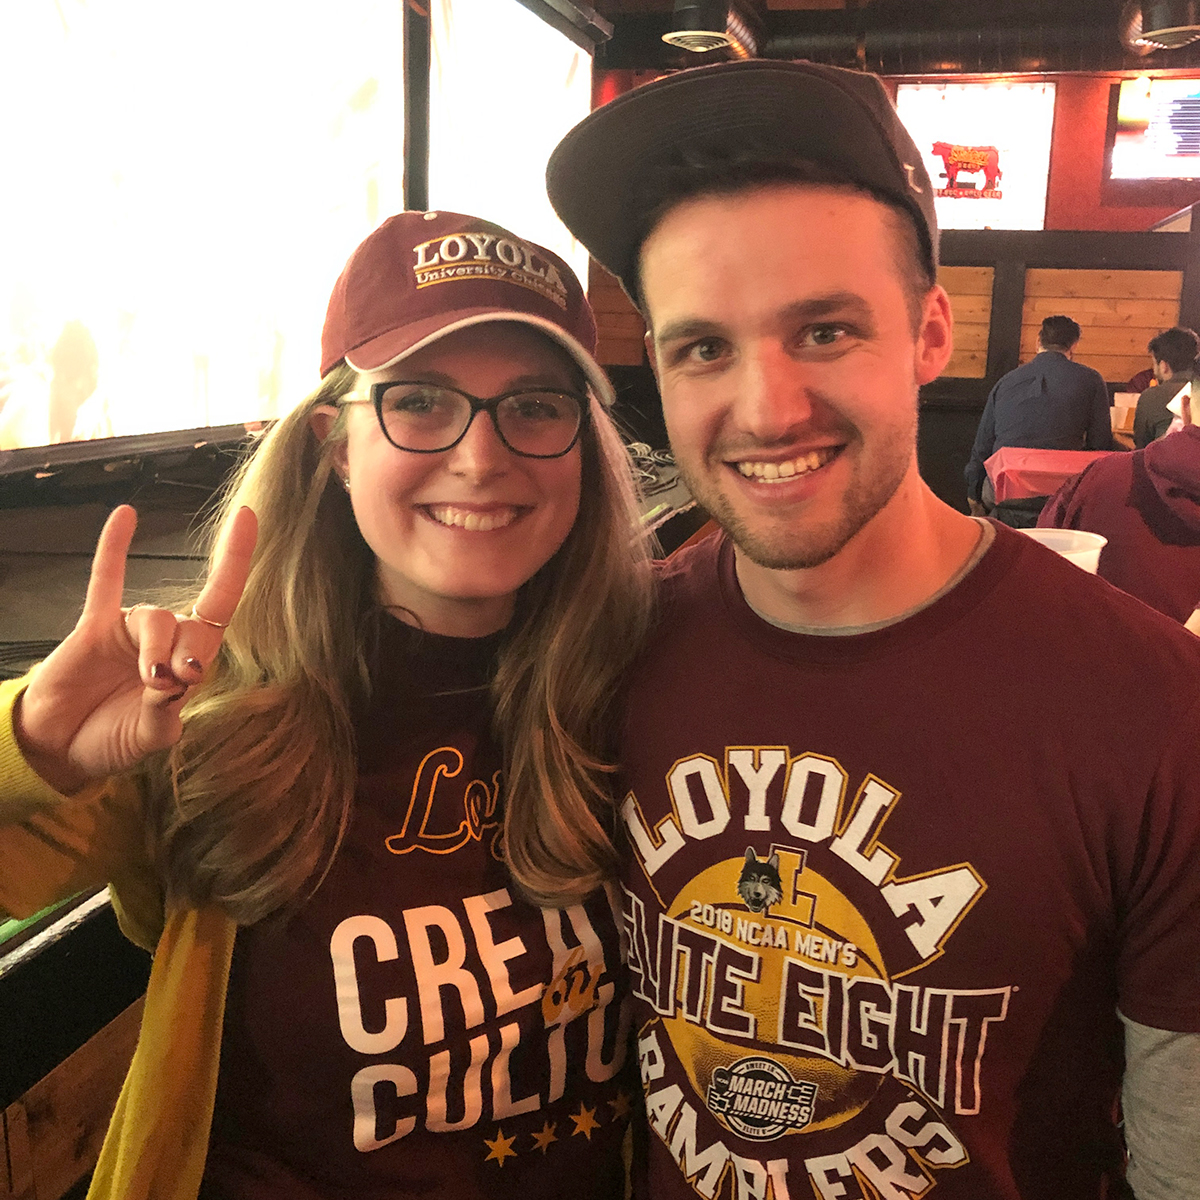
<point x="205" y="621"/>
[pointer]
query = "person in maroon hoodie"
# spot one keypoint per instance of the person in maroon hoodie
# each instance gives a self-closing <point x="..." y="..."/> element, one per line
<point x="1148" y="506"/>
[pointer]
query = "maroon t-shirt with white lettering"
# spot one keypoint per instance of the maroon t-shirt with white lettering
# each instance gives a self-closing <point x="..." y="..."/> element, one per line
<point x="886" y="891"/>
<point x="419" y="1030"/>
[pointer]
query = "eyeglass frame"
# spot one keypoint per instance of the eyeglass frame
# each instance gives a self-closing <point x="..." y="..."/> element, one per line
<point x="375" y="393"/>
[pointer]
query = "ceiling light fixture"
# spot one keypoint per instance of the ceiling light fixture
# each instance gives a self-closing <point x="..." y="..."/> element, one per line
<point x="704" y="25"/>
<point x="1149" y="25"/>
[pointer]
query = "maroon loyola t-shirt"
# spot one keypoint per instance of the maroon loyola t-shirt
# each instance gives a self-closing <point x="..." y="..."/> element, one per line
<point x="418" y="1030"/>
<point x="887" y="891"/>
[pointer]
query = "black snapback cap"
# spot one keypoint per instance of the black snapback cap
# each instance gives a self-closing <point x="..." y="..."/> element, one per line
<point x="840" y="119"/>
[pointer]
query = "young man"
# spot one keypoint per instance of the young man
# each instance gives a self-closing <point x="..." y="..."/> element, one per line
<point x="1050" y="402"/>
<point x="912" y="805"/>
<point x="1173" y="356"/>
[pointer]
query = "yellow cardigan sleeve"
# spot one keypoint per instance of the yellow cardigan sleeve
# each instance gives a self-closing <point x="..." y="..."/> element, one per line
<point x="53" y="846"/>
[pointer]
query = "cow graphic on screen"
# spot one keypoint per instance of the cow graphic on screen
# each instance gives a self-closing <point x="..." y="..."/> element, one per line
<point x="969" y="160"/>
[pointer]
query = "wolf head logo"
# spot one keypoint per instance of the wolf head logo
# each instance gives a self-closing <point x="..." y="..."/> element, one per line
<point x="759" y="885"/>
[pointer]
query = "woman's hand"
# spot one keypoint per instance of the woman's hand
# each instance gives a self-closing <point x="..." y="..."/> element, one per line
<point x="110" y="694"/>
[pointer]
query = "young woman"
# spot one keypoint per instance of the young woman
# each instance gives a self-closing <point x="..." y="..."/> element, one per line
<point x="333" y="796"/>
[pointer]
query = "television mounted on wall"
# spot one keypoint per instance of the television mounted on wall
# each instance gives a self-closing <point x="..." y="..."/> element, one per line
<point x="1157" y="130"/>
<point x="184" y="187"/>
<point x="1152" y="147"/>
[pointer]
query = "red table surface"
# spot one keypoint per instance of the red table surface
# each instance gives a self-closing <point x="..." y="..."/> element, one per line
<point x="1017" y="471"/>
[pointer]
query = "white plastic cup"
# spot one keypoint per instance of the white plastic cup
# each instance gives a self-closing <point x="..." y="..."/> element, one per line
<point x="1075" y="545"/>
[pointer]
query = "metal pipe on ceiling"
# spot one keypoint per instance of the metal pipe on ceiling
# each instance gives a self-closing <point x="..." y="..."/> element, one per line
<point x="925" y="44"/>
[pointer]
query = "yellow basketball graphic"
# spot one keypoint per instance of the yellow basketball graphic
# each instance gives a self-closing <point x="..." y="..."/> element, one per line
<point x="793" y="938"/>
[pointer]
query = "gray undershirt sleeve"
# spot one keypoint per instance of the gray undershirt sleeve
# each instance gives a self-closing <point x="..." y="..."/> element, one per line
<point x="1161" y="1102"/>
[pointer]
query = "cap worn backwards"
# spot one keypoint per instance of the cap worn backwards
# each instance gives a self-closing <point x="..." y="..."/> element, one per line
<point x="422" y="275"/>
<point x="839" y="119"/>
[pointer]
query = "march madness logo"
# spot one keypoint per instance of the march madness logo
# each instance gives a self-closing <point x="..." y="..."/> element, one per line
<point x="759" y="1099"/>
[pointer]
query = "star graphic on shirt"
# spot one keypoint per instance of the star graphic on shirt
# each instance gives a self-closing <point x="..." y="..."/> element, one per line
<point x="585" y="1122"/>
<point x="620" y="1106"/>
<point x="542" y="1140"/>
<point x="500" y="1149"/>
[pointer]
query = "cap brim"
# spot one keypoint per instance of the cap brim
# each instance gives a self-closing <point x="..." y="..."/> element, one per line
<point x="787" y="109"/>
<point x="391" y="348"/>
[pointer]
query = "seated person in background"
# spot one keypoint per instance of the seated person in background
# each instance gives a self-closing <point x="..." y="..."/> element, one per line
<point x="1050" y="403"/>
<point x="1148" y="506"/>
<point x="1141" y="381"/>
<point x="1173" y="353"/>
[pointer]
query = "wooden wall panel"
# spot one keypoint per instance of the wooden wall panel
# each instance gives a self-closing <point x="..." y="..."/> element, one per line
<point x="1118" y="312"/>
<point x="1086" y="284"/>
<point x="53" y="1133"/>
<point x="618" y="324"/>
<point x="970" y="292"/>
<point x="16" y="1161"/>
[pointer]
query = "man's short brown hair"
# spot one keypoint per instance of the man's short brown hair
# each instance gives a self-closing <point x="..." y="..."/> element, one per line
<point x="1177" y="347"/>
<point x="1059" y="333"/>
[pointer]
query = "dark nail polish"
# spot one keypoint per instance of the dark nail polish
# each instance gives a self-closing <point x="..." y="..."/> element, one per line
<point x="194" y="664"/>
<point x="179" y="695"/>
<point x="160" y="671"/>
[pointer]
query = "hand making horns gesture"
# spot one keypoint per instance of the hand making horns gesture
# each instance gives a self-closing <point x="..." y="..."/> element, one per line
<point x="110" y="694"/>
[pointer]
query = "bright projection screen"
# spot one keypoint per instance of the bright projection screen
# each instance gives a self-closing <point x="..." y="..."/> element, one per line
<point x="504" y="88"/>
<point x="184" y="185"/>
<point x="986" y="147"/>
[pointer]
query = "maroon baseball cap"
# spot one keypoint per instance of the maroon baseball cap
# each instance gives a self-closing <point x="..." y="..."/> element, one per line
<point x="422" y="275"/>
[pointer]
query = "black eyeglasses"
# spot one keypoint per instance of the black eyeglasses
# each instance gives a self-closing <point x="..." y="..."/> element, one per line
<point x="428" y="418"/>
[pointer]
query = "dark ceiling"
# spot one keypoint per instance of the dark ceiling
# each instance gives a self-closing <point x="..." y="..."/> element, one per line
<point x="979" y="10"/>
<point x="905" y="37"/>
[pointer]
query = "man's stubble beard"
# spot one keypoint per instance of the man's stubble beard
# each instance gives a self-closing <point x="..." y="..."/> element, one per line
<point x="798" y="547"/>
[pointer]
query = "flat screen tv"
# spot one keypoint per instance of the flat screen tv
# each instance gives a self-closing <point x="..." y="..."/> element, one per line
<point x="182" y="186"/>
<point x="1156" y="132"/>
<point x="986" y="147"/>
<point x="492" y="127"/>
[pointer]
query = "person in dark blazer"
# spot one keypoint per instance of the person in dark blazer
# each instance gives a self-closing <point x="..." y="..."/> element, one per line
<point x="1051" y="403"/>
<point x="1173" y="353"/>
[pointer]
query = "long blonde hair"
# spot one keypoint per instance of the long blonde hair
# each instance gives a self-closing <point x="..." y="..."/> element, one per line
<point x="254" y="800"/>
